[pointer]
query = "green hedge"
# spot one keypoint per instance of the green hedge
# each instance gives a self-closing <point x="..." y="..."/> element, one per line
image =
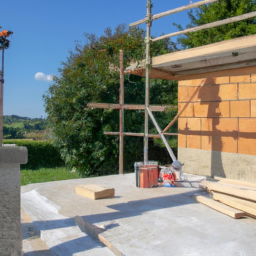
<point x="40" y="154"/>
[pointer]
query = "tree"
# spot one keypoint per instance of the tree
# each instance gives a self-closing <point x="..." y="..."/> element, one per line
<point x="220" y="10"/>
<point x="90" y="74"/>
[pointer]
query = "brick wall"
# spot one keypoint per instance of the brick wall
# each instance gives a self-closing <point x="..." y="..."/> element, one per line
<point x="218" y="114"/>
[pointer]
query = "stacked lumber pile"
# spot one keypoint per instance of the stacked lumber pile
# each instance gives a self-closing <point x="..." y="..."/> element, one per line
<point x="232" y="197"/>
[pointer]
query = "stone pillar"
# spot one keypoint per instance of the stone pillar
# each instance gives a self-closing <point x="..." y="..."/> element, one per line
<point x="10" y="224"/>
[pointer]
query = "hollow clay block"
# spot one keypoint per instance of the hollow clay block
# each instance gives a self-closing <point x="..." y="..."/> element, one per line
<point x="94" y="191"/>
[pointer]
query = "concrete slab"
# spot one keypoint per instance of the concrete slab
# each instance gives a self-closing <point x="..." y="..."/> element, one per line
<point x="156" y="221"/>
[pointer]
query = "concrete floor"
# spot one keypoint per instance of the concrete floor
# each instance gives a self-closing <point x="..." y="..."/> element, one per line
<point x="157" y="221"/>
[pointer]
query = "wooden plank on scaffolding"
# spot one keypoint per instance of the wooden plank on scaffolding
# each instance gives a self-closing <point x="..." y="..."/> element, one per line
<point x="234" y="191"/>
<point x="234" y="213"/>
<point x="209" y="25"/>
<point x="235" y="182"/>
<point x="173" y="11"/>
<point x="237" y="203"/>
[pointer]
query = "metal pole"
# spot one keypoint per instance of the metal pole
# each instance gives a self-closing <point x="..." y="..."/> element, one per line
<point x="121" y="120"/>
<point x="148" y="66"/>
<point x="1" y="99"/>
<point x="162" y="136"/>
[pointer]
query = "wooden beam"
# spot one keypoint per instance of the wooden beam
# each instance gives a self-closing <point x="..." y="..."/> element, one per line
<point x="235" y="182"/>
<point x="97" y="233"/>
<point x="176" y="10"/>
<point x="209" y="25"/>
<point x="235" y="203"/>
<point x="249" y="63"/>
<point x="234" y="213"/>
<point x="228" y="189"/>
<point x="131" y="106"/>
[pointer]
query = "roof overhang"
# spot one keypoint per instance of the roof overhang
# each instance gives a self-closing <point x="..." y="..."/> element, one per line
<point x="227" y="58"/>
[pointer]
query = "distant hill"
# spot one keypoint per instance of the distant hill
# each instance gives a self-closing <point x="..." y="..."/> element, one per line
<point x="18" y="127"/>
<point x="15" y="118"/>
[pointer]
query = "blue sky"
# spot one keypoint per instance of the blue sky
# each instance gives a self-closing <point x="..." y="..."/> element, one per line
<point x="45" y="30"/>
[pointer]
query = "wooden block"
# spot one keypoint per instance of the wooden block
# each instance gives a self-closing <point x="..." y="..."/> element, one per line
<point x="240" y="108"/>
<point x="97" y="233"/>
<point x="247" y="91"/>
<point x="253" y="108"/>
<point x="240" y="79"/>
<point x="182" y="140"/>
<point x="234" y="213"/>
<point x="211" y="109"/>
<point x="235" y="182"/>
<point x="94" y="191"/>
<point x="237" y="203"/>
<point x="230" y="190"/>
<point x="186" y="109"/>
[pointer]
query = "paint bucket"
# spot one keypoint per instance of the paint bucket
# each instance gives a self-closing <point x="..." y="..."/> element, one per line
<point x="137" y="166"/>
<point x="148" y="176"/>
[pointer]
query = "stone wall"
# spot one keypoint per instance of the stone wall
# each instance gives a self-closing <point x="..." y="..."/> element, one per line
<point x="10" y="227"/>
<point x="218" y="116"/>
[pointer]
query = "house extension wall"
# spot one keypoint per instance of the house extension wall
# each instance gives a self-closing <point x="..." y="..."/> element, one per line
<point x="217" y="126"/>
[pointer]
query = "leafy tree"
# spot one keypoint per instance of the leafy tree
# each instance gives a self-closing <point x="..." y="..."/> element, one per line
<point x="220" y="10"/>
<point x="90" y="74"/>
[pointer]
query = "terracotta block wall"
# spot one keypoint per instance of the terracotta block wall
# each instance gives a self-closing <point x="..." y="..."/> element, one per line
<point x="218" y="114"/>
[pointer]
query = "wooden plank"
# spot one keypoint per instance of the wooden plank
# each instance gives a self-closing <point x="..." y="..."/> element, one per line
<point x="97" y="233"/>
<point x="234" y="213"/>
<point x="235" y="182"/>
<point x="235" y="191"/>
<point x="209" y="25"/>
<point x="207" y="52"/>
<point x="237" y="203"/>
<point x="94" y="191"/>
<point x="249" y="63"/>
<point x="173" y="11"/>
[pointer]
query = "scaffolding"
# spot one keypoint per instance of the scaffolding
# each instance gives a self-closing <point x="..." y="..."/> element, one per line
<point x="147" y="107"/>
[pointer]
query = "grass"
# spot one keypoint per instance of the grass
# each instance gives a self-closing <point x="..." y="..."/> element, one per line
<point x="46" y="174"/>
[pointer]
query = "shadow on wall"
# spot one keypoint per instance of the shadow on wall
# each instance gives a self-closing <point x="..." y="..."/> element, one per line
<point x="214" y="141"/>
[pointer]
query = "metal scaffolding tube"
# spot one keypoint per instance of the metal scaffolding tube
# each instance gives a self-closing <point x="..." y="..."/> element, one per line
<point x="1" y="99"/>
<point x="162" y="136"/>
<point x="209" y="25"/>
<point x="148" y="67"/>
<point x="176" y="10"/>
